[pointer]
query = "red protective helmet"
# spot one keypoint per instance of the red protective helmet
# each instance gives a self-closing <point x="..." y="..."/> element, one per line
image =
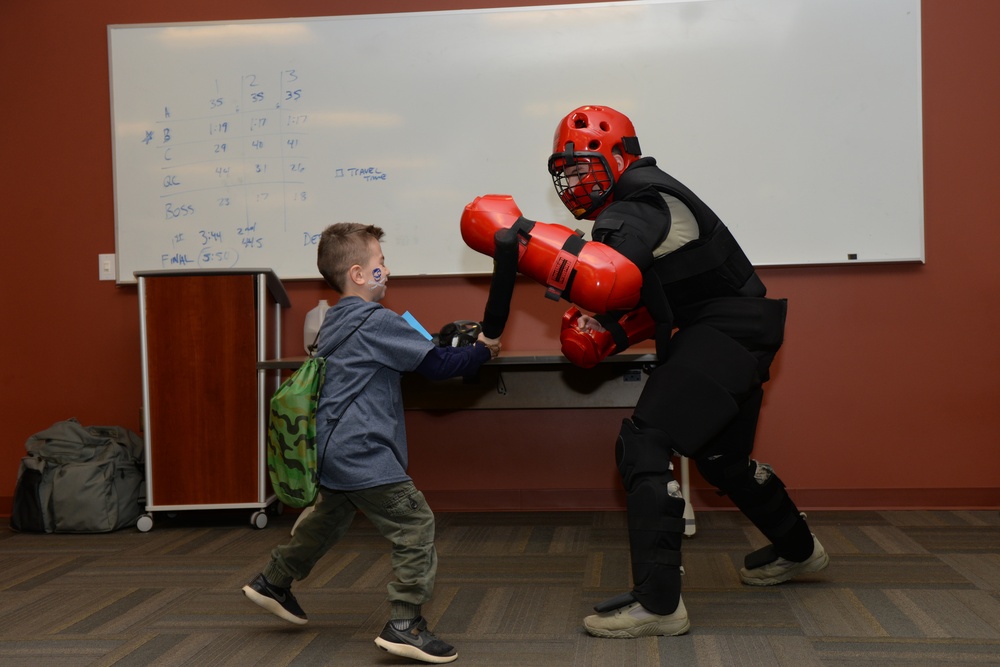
<point x="590" y="144"/>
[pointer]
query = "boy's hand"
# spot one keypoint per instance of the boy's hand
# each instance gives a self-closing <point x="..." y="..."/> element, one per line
<point x="492" y="343"/>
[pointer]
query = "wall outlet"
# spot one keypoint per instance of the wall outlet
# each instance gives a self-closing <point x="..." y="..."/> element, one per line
<point x="106" y="267"/>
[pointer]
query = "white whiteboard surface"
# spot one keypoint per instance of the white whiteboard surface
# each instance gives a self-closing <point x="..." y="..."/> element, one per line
<point x="236" y="144"/>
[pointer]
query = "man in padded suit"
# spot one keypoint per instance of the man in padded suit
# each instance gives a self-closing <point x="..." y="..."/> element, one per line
<point x="716" y="334"/>
<point x="703" y="398"/>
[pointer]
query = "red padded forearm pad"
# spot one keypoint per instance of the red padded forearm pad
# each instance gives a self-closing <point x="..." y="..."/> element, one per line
<point x="602" y="278"/>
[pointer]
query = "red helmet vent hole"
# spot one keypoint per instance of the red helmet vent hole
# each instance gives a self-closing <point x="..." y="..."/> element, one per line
<point x="594" y="145"/>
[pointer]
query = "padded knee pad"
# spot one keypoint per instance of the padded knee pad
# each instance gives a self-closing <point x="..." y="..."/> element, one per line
<point x="692" y="396"/>
<point x="642" y="452"/>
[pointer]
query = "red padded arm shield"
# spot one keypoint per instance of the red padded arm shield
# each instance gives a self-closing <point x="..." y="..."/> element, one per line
<point x="602" y="279"/>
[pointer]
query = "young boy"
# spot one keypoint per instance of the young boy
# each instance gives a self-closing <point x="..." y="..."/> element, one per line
<point x="363" y="465"/>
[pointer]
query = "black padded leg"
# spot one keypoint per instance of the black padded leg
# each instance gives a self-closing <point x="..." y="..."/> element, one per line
<point x="655" y="517"/>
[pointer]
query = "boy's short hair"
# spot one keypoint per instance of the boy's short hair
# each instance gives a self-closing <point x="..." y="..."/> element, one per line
<point x="341" y="246"/>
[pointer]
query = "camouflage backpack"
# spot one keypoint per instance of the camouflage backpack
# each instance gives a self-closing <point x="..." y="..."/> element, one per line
<point x="291" y="435"/>
<point x="291" y="431"/>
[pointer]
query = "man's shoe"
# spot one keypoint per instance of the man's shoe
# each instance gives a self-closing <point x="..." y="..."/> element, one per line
<point x="634" y="620"/>
<point x="278" y="601"/>
<point x="781" y="569"/>
<point x="416" y="642"/>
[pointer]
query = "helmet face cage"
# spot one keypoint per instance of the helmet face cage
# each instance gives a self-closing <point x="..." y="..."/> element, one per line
<point x="587" y="143"/>
<point x="582" y="180"/>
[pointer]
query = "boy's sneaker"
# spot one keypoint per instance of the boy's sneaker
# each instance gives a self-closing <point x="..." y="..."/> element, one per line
<point x="781" y="569"/>
<point x="416" y="642"/>
<point x="279" y="601"/>
<point x="634" y="620"/>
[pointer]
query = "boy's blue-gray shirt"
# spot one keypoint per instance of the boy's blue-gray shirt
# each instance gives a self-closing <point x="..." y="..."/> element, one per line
<point x="368" y="446"/>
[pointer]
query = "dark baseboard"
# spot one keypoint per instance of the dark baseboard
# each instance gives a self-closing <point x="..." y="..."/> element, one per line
<point x="527" y="500"/>
<point x="554" y="500"/>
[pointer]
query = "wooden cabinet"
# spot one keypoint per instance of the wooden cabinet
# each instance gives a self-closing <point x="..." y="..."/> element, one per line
<point x="204" y="398"/>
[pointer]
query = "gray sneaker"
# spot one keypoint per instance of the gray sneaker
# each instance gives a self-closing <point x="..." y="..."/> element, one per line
<point x="780" y="569"/>
<point x="634" y="620"/>
<point x="416" y="642"/>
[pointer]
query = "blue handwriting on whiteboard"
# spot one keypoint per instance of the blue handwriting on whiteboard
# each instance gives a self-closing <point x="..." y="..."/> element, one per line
<point x="367" y="173"/>
<point x="249" y="238"/>
<point x="177" y="259"/>
<point x="178" y="211"/>
<point x="207" y="236"/>
<point x="221" y="258"/>
<point x="310" y="239"/>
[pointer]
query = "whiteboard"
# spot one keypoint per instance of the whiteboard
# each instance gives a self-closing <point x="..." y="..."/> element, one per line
<point x="237" y="143"/>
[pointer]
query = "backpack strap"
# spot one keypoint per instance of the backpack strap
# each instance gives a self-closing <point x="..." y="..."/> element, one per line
<point x="336" y="420"/>
<point x="353" y="331"/>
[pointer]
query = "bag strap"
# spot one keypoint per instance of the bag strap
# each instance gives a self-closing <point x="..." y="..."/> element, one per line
<point x="336" y="420"/>
<point x="365" y="385"/>
<point x="313" y="345"/>
<point x="353" y="331"/>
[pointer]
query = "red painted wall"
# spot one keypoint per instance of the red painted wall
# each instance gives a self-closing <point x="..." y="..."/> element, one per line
<point x="886" y="392"/>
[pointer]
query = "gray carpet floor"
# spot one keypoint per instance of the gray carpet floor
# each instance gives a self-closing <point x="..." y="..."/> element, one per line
<point x="903" y="588"/>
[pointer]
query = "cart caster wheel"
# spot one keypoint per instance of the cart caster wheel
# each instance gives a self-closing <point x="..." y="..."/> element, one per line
<point x="144" y="523"/>
<point x="259" y="519"/>
<point x="276" y="509"/>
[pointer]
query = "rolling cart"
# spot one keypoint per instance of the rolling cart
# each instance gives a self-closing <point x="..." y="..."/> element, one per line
<point x="204" y="396"/>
